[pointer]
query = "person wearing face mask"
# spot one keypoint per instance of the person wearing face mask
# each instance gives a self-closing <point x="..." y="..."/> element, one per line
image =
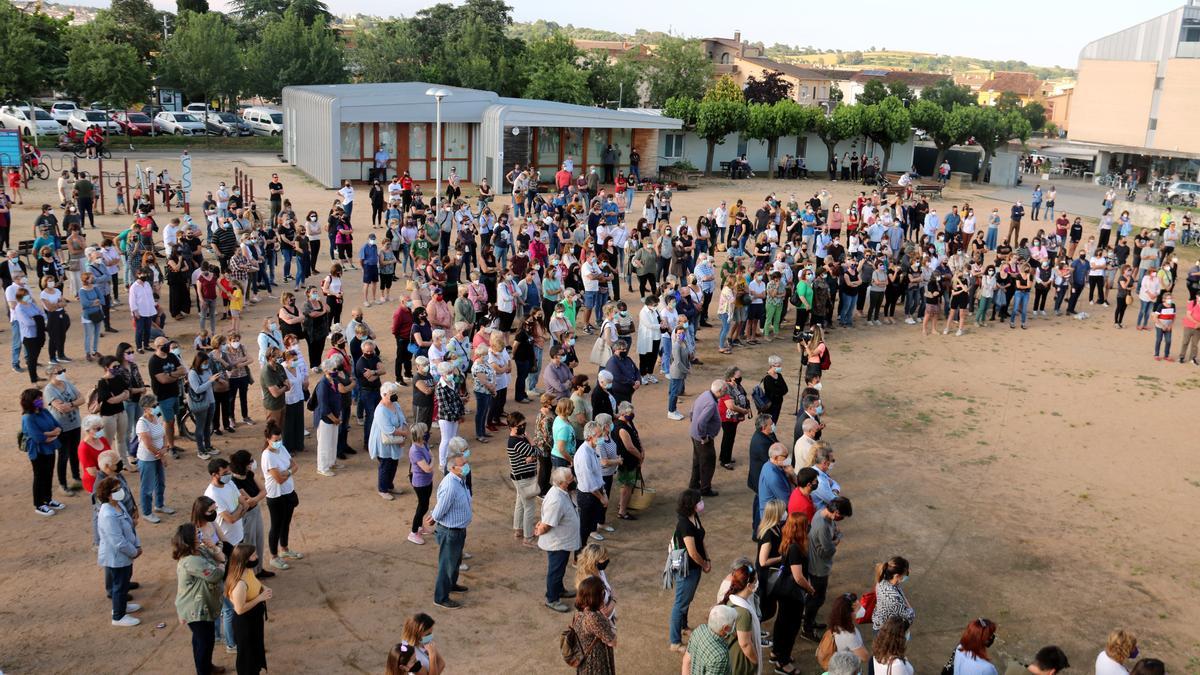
<point x="142" y="309"/>
<point x="890" y="601"/>
<point x="41" y="432"/>
<point x="248" y="597"/>
<point x="231" y="507"/>
<point x="331" y="288"/>
<point x="316" y="324"/>
<point x="151" y="454"/>
<point x="280" y="489"/>
<point x="243" y="467"/>
<point x="63" y="400"/>
<point x="368" y="258"/>
<point x="119" y="546"/>
<point x="30" y="324"/>
<point x="388" y="431"/>
<point x="201" y="402"/>
<point x="452" y="515"/>
<point x="971" y="654"/>
<point x="417" y="638"/>
<point x="689" y="535"/>
<point x="198" y="594"/>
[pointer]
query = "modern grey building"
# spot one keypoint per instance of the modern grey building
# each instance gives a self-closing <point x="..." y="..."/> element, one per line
<point x="331" y="132"/>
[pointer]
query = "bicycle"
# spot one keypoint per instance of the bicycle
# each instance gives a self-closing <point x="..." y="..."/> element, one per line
<point x="81" y="151"/>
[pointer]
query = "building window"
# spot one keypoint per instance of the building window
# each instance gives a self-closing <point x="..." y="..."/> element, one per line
<point x="725" y="57"/>
<point x="673" y="147"/>
<point x="1190" y="34"/>
<point x="1158" y="83"/>
<point x="804" y="91"/>
<point x="1153" y="123"/>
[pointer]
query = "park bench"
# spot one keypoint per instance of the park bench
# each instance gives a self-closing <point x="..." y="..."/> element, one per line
<point x="683" y="178"/>
<point x="929" y="190"/>
<point x="727" y="169"/>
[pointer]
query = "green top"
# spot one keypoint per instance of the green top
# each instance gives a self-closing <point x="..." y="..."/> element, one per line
<point x="198" y="593"/>
<point x="805" y="290"/>
<point x="420" y="249"/>
<point x="647" y="262"/>
<point x="273" y="376"/>
<point x="710" y="652"/>
<point x="739" y="664"/>
<point x="552" y="289"/>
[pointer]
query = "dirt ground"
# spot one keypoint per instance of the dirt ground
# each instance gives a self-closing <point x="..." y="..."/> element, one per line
<point x="1040" y="478"/>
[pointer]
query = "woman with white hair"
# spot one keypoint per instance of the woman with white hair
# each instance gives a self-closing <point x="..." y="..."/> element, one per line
<point x="843" y="663"/>
<point x="774" y="386"/>
<point x="649" y="333"/>
<point x="483" y="384"/>
<point x="437" y="347"/>
<point x="501" y="362"/>
<point x="423" y="384"/>
<point x="450" y="409"/>
<point x="329" y="416"/>
<point x="388" y="435"/>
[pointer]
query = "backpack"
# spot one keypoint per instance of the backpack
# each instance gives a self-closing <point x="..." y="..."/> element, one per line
<point x="761" y="400"/>
<point x="866" y="607"/>
<point x="825" y="361"/>
<point x="571" y="646"/>
<point x="93" y="401"/>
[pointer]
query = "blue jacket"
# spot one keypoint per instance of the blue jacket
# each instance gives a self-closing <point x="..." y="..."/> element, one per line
<point x="1079" y="272"/>
<point x="772" y="484"/>
<point x="35" y="426"/>
<point x="118" y="542"/>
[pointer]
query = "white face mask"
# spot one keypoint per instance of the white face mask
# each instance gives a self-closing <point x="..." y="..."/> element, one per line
<point x="119" y="495"/>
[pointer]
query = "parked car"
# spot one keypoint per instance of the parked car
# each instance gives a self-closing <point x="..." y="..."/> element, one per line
<point x="226" y="124"/>
<point x="178" y="123"/>
<point x="80" y="120"/>
<point x="134" y="123"/>
<point x="197" y="109"/>
<point x="264" y="121"/>
<point x="19" y="117"/>
<point x="152" y="110"/>
<point x="1183" y="192"/>
<point x="60" y="110"/>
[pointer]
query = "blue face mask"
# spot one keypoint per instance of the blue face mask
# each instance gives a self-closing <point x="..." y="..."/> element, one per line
<point x="427" y="639"/>
<point x="466" y="470"/>
<point x="157" y="411"/>
<point x="820" y="409"/>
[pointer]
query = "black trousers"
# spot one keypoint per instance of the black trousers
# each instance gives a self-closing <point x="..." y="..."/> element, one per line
<point x="57" y="324"/>
<point x="68" y="453"/>
<point x="1040" y="294"/>
<point x="590" y="513"/>
<point x="1076" y="291"/>
<point x="813" y="602"/>
<point x="403" y="358"/>
<point x="728" y="434"/>
<point x="787" y="626"/>
<point x="204" y="638"/>
<point x="1122" y="305"/>
<point x="293" y="427"/>
<point x="704" y="463"/>
<point x="646" y="361"/>
<point x="496" y="410"/>
<point x="33" y="350"/>
<point x="647" y="280"/>
<point x="43" y="479"/>
<point x="423" y="494"/>
<point x="281" y="509"/>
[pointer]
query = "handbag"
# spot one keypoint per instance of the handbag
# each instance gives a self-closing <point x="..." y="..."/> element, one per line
<point x="94" y="315"/>
<point x="642" y="497"/>
<point x="761" y="400"/>
<point x="948" y="669"/>
<point x="782" y="586"/>
<point x="827" y="648"/>
<point x="413" y="348"/>
<point x="678" y="564"/>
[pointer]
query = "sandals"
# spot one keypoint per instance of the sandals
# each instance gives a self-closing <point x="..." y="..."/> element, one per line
<point x="626" y="516"/>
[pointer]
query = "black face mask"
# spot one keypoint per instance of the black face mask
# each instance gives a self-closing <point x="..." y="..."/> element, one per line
<point x="602" y="565"/>
<point x="210" y="517"/>
<point x="394" y="397"/>
<point x="738" y="380"/>
<point x="252" y="563"/>
<point x="120" y="465"/>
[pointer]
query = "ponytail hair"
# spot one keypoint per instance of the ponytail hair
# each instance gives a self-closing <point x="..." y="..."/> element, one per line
<point x="739" y="579"/>
<point x="889" y="569"/>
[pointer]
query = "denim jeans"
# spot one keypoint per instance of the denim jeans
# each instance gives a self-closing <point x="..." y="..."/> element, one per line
<point x="483" y="404"/>
<point x="1020" y="304"/>
<point x="368" y="400"/>
<point x="846" y="309"/>
<point x="531" y="382"/>
<point x="386" y="480"/>
<point x="450" y="547"/>
<point x="685" y="590"/>
<point x="226" y="624"/>
<point x="556" y="567"/>
<point x="287" y="262"/>
<point x="91" y="338"/>
<point x="674" y="389"/>
<point x="141" y="336"/>
<point x="204" y="638"/>
<point x="16" y="344"/>
<point x="116" y="581"/>
<point x="1144" y="313"/>
<point x="153" y="483"/>
<point x="202" y="421"/>
<point x="665" y="353"/>
<point x="724" y="334"/>
<point x="1159" y="336"/>
<point x="208" y="312"/>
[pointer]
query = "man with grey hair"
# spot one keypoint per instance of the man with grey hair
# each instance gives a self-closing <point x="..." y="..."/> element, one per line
<point x="843" y="663"/>
<point x="368" y="374"/>
<point x="706" y="424"/>
<point x="452" y="514"/>
<point x="708" y="649"/>
<point x="591" y="497"/>
<point x="760" y="445"/>
<point x="558" y="535"/>
<point x="827" y="487"/>
<point x="802" y="450"/>
<point x="776" y="479"/>
<point x="681" y="365"/>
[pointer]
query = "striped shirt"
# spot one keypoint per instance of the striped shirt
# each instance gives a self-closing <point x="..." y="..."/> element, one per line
<point x="449" y="403"/>
<point x="519" y="449"/>
<point x="453" y="508"/>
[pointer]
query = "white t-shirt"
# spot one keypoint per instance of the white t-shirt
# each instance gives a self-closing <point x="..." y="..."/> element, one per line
<point x="500" y="359"/>
<point x="281" y="460"/>
<point x="847" y="642"/>
<point x="145" y="426"/>
<point x="756" y="287"/>
<point x="226" y="498"/>
<point x="965" y="664"/>
<point x="897" y="667"/>
<point x="591" y="276"/>
<point x="1106" y="666"/>
<point x="347" y="193"/>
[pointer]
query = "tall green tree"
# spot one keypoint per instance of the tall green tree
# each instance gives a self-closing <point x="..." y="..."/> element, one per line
<point x="552" y="65"/>
<point x="468" y="46"/>
<point x="945" y="129"/>
<point x="1036" y="114"/>
<point x="946" y="94"/>
<point x="783" y="118"/>
<point x="993" y="127"/>
<point x="887" y="123"/>
<point x="678" y="67"/>
<point x="109" y="72"/>
<point x="873" y="92"/>
<point x="903" y="92"/>
<point x="20" y="75"/>
<point x="292" y="53"/>
<point x="133" y="22"/>
<point x="843" y="123"/>
<point x="261" y="11"/>
<point x="1008" y="101"/>
<point x="197" y="6"/>
<point x="721" y="112"/>
<point x="385" y="53"/>
<point x="771" y="87"/>
<point x="203" y="58"/>
<point x="687" y="110"/>
<point x="618" y="80"/>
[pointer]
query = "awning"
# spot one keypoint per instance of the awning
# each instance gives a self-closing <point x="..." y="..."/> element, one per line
<point x="1068" y="152"/>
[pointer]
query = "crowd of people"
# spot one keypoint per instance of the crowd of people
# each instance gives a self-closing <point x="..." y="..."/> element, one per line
<point x="491" y="304"/>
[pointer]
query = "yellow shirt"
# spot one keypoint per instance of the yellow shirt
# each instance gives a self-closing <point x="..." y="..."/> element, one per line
<point x="253" y="585"/>
<point x="237" y="301"/>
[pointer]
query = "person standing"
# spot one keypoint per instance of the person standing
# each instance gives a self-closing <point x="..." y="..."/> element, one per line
<point x="278" y="466"/>
<point x="597" y="633"/>
<point x="248" y="597"/>
<point x="84" y="195"/>
<point x="201" y="403"/>
<point x="558" y="532"/>
<point x="388" y="431"/>
<point x="329" y="416"/>
<point x="142" y="309"/>
<point x="347" y="194"/>
<point x="452" y="515"/>
<point x="590" y="481"/>
<point x="522" y="468"/>
<point x="166" y="370"/>
<point x="706" y="424"/>
<point x="41" y="433"/>
<point x="62" y="400"/>
<point x="275" y="188"/>
<point x="197" y="594"/>
<point x="824" y="536"/>
<point x="151" y="453"/>
<point x="689" y="536"/>
<point x="119" y="546"/>
<point x="450" y="410"/>
<point x="709" y="650"/>
<point x="242" y="467"/>
<point x="231" y="507"/>
<point x="274" y="383"/>
<point x="681" y="365"/>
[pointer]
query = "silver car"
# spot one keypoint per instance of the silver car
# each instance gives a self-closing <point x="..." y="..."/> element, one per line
<point x="226" y="124"/>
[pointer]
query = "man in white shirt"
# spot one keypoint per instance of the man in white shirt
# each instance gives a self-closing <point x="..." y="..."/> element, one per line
<point x="721" y="216"/>
<point x="590" y="495"/>
<point x="142" y="309"/>
<point x="381" y="163"/>
<point x="347" y="193"/>
<point x="595" y="293"/>
<point x="558" y="536"/>
<point x="171" y="235"/>
<point x="222" y="200"/>
<point x="230" y="506"/>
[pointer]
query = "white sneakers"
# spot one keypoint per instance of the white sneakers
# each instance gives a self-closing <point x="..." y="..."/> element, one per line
<point x="43" y="510"/>
<point x="326" y="472"/>
<point x="152" y="519"/>
<point x="597" y="536"/>
<point x="674" y="416"/>
<point x="387" y="496"/>
<point x="127" y="621"/>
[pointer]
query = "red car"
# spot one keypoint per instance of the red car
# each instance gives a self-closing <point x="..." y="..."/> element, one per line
<point x="134" y="123"/>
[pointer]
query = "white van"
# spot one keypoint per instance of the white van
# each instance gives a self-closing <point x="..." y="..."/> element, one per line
<point x="264" y="121"/>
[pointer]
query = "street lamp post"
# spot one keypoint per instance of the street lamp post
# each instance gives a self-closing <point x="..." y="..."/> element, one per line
<point x="438" y="93"/>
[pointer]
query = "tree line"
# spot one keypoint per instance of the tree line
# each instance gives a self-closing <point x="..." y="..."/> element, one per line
<point x="886" y="114"/>
<point x="262" y="46"/>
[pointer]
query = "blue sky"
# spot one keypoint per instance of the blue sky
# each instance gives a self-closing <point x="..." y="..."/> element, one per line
<point x="1041" y="32"/>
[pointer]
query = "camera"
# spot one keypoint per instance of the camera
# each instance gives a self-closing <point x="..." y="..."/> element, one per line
<point x="799" y="335"/>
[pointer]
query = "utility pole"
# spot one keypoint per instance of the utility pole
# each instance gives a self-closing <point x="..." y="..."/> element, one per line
<point x="164" y="19"/>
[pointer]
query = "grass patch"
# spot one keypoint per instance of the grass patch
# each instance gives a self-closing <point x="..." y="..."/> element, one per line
<point x="264" y="143"/>
<point x="981" y="461"/>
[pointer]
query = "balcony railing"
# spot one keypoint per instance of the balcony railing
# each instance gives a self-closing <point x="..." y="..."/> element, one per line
<point x="1188" y="50"/>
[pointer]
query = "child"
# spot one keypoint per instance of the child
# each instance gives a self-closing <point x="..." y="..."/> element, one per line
<point x="120" y="187"/>
<point x="203" y="340"/>
<point x="14" y="183"/>
<point x="225" y="288"/>
<point x="236" y="302"/>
